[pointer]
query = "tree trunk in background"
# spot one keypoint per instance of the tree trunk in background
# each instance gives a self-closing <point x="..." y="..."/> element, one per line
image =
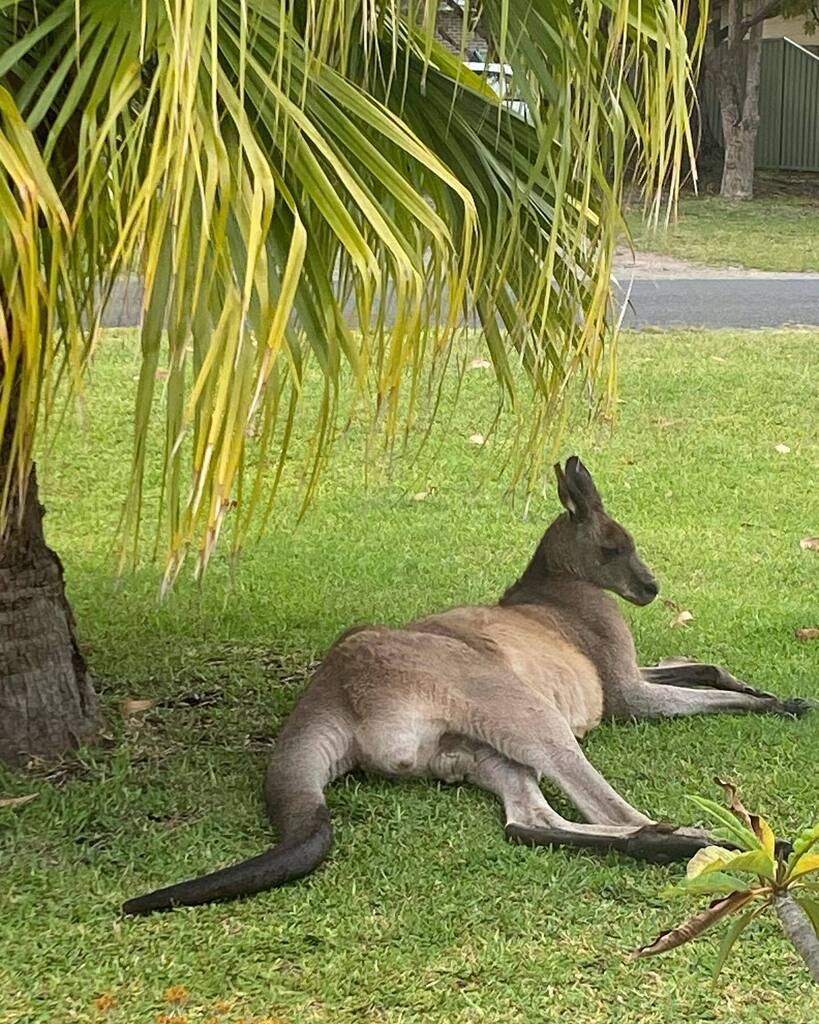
<point x="739" y="103"/>
<point x="735" y="62"/>
<point x="738" y="166"/>
<point x="47" y="702"/>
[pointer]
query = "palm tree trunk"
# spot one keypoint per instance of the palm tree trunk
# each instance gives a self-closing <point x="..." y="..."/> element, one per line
<point x="796" y="925"/>
<point x="47" y="702"/>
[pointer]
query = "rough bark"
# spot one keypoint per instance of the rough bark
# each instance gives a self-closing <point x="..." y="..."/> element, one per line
<point x="738" y="164"/>
<point x="47" y="702"/>
<point x="797" y="926"/>
<point x="734" y="60"/>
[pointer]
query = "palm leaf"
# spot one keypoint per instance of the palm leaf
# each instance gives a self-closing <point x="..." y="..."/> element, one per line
<point x="262" y="164"/>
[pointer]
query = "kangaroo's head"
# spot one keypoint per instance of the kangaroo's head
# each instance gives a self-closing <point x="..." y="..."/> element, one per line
<point x="585" y="543"/>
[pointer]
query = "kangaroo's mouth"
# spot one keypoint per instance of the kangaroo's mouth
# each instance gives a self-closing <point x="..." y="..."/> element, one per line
<point x="643" y="594"/>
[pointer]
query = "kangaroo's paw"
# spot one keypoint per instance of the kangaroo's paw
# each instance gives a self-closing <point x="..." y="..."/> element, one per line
<point x="794" y="707"/>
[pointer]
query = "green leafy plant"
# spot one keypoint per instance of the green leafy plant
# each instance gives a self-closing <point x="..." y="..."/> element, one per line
<point x="783" y="877"/>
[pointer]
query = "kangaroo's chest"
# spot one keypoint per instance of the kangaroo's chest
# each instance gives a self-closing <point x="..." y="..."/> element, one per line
<point x="541" y="660"/>
<point x="559" y="674"/>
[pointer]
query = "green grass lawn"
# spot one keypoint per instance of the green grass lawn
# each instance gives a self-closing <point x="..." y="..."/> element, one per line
<point x="772" y="232"/>
<point x="423" y="913"/>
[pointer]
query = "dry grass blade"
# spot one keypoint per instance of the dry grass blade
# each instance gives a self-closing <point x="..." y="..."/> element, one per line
<point x="18" y="801"/>
<point x="136" y="707"/>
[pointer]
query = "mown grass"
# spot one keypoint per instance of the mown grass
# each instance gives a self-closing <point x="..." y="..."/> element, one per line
<point x="771" y="232"/>
<point x="423" y="912"/>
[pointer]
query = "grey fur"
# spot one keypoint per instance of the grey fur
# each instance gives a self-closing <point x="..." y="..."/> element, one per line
<point x="494" y="695"/>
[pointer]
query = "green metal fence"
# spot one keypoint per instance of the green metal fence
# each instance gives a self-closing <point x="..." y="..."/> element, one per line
<point x="788" y="136"/>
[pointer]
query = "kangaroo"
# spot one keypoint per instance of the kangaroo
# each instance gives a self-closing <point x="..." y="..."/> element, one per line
<point x="494" y="695"/>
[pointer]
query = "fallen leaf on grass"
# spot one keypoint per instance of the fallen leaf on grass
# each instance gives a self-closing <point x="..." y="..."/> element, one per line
<point x="177" y="994"/>
<point x="479" y="364"/>
<point x="808" y="633"/>
<point x="18" y="801"/>
<point x="672" y="606"/>
<point x="809" y="543"/>
<point x="682" y="619"/>
<point x="783" y="449"/>
<point x="477" y="439"/>
<point x="134" y="707"/>
<point x="719" y="359"/>
<point x="420" y="495"/>
<point x="105" y="1002"/>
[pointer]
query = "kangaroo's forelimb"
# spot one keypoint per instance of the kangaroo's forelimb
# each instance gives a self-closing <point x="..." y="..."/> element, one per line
<point x="687" y="672"/>
<point x="678" y="686"/>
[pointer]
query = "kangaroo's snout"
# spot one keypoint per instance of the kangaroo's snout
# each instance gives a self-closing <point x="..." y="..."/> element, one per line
<point x="645" y="592"/>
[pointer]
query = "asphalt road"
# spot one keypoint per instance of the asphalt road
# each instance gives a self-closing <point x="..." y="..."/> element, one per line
<point x="662" y="301"/>
<point x="723" y="302"/>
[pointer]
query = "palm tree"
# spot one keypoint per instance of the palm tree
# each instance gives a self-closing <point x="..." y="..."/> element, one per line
<point x="264" y="166"/>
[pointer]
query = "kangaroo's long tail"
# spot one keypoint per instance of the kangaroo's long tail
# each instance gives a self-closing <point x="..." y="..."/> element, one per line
<point x="309" y="754"/>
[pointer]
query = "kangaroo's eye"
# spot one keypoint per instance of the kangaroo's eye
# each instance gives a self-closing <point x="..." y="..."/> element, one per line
<point x="610" y="552"/>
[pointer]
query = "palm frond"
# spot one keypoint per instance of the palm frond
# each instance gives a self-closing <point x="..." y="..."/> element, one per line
<point x="262" y="165"/>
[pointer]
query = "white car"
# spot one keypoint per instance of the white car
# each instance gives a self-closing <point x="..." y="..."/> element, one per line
<point x="499" y="79"/>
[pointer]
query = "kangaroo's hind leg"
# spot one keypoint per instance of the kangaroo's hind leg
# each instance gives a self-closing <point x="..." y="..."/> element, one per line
<point x="531" y="820"/>
<point x="534" y="733"/>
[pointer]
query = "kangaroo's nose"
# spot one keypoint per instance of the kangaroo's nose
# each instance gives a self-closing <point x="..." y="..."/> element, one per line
<point x="652" y="587"/>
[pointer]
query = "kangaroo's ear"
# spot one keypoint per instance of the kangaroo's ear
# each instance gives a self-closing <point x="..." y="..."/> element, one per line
<point x="580" y="489"/>
<point x="563" y="491"/>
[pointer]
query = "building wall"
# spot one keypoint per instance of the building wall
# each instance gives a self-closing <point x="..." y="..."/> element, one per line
<point x="450" y="26"/>
<point x="792" y="28"/>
